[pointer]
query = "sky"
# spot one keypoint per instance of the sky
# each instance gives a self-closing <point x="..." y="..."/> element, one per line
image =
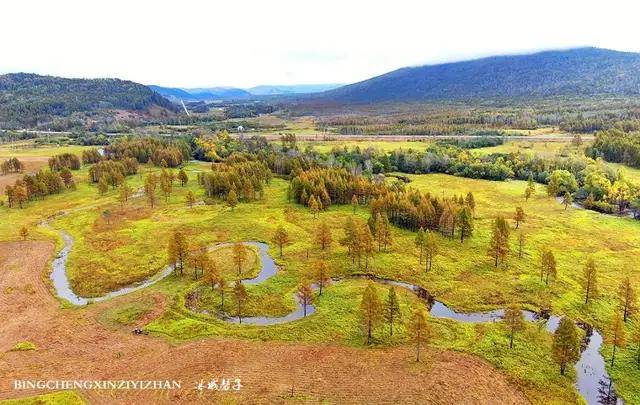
<point x="243" y="43"/>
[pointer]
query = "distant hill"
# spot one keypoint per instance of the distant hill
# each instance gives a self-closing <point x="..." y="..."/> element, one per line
<point x="202" y="94"/>
<point x="30" y="100"/>
<point x="574" y="72"/>
<point x="172" y="93"/>
<point x="234" y="93"/>
<point x="221" y="93"/>
<point x="269" y="90"/>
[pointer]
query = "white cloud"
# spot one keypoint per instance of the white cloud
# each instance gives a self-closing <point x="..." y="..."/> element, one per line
<point x="194" y="43"/>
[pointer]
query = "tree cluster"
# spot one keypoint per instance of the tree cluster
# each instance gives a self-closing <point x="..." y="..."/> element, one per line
<point x="38" y="185"/>
<point x="244" y="177"/>
<point x="65" y="160"/>
<point x="11" y="165"/>
<point x="91" y="156"/>
<point x="113" y="171"/>
<point x="160" y="152"/>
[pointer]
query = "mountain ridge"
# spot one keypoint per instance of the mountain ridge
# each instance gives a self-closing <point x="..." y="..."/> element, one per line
<point x="29" y="99"/>
<point x="224" y="93"/>
<point x="577" y="71"/>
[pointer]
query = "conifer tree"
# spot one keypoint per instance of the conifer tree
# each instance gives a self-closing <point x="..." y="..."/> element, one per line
<point x="190" y="198"/>
<point x="499" y="244"/>
<point x="470" y="201"/>
<point x="124" y="194"/>
<point x="547" y="266"/>
<point x="103" y="185"/>
<point x="419" y="330"/>
<point x="370" y="311"/>
<point x="514" y="321"/>
<point x="419" y="242"/>
<point x="232" y="198"/>
<point x="305" y="296"/>
<point x="566" y="345"/>
<point x="518" y="216"/>
<point x="627" y="299"/>
<point x="364" y="244"/>
<point x="391" y="309"/>
<point x="321" y="274"/>
<point x="589" y="280"/>
<point x="465" y="220"/>
<point x="24" y="232"/>
<point x="150" y="184"/>
<point x="314" y="206"/>
<point x="166" y="184"/>
<point x="530" y="190"/>
<point x="211" y="274"/>
<point x="239" y="256"/>
<point x="521" y="241"/>
<point x="349" y="239"/>
<point x="567" y="199"/>
<point x="616" y="337"/>
<point x="281" y="238"/>
<point x="182" y="177"/>
<point x="177" y="250"/>
<point x="221" y="285"/>
<point x="323" y="236"/>
<point x="430" y="249"/>
<point x="240" y="295"/>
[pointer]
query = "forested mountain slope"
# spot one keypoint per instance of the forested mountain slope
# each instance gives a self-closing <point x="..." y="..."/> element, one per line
<point x="573" y="72"/>
<point x="30" y="100"/>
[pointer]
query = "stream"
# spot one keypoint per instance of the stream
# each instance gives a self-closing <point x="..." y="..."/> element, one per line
<point x="63" y="287"/>
<point x="576" y="205"/>
<point x="593" y="382"/>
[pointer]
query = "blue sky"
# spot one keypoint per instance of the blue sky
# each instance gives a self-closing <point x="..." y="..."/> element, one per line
<point x="189" y="43"/>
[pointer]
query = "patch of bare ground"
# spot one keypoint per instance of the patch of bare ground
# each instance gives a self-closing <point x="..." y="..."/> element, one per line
<point x="32" y="164"/>
<point x="73" y="345"/>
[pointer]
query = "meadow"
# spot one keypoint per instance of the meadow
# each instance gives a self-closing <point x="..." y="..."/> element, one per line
<point x="129" y="245"/>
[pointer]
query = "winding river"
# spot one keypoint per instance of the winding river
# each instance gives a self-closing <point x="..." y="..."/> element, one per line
<point x="63" y="287"/>
<point x="593" y="382"/>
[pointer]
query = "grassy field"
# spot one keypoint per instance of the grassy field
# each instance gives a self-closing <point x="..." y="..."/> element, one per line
<point x="55" y="398"/>
<point x="31" y="149"/>
<point x="324" y="146"/>
<point x="546" y="149"/>
<point x="131" y="246"/>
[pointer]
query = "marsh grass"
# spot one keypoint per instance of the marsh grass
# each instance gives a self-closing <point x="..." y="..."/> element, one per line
<point x="132" y="246"/>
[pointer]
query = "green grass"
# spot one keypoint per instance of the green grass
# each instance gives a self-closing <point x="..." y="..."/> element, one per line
<point x="23" y="347"/>
<point x="625" y="372"/>
<point x="126" y="314"/>
<point x="545" y="149"/>
<point x="54" y="398"/>
<point x="383" y="146"/>
<point x="223" y="258"/>
<point x="133" y="246"/>
<point x="26" y="148"/>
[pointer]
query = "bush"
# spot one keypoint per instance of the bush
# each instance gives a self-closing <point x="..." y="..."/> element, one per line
<point x="23" y="346"/>
<point x="603" y="206"/>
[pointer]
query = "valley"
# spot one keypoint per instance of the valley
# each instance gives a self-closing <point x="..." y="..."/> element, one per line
<point x="263" y="203"/>
<point x="118" y="244"/>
